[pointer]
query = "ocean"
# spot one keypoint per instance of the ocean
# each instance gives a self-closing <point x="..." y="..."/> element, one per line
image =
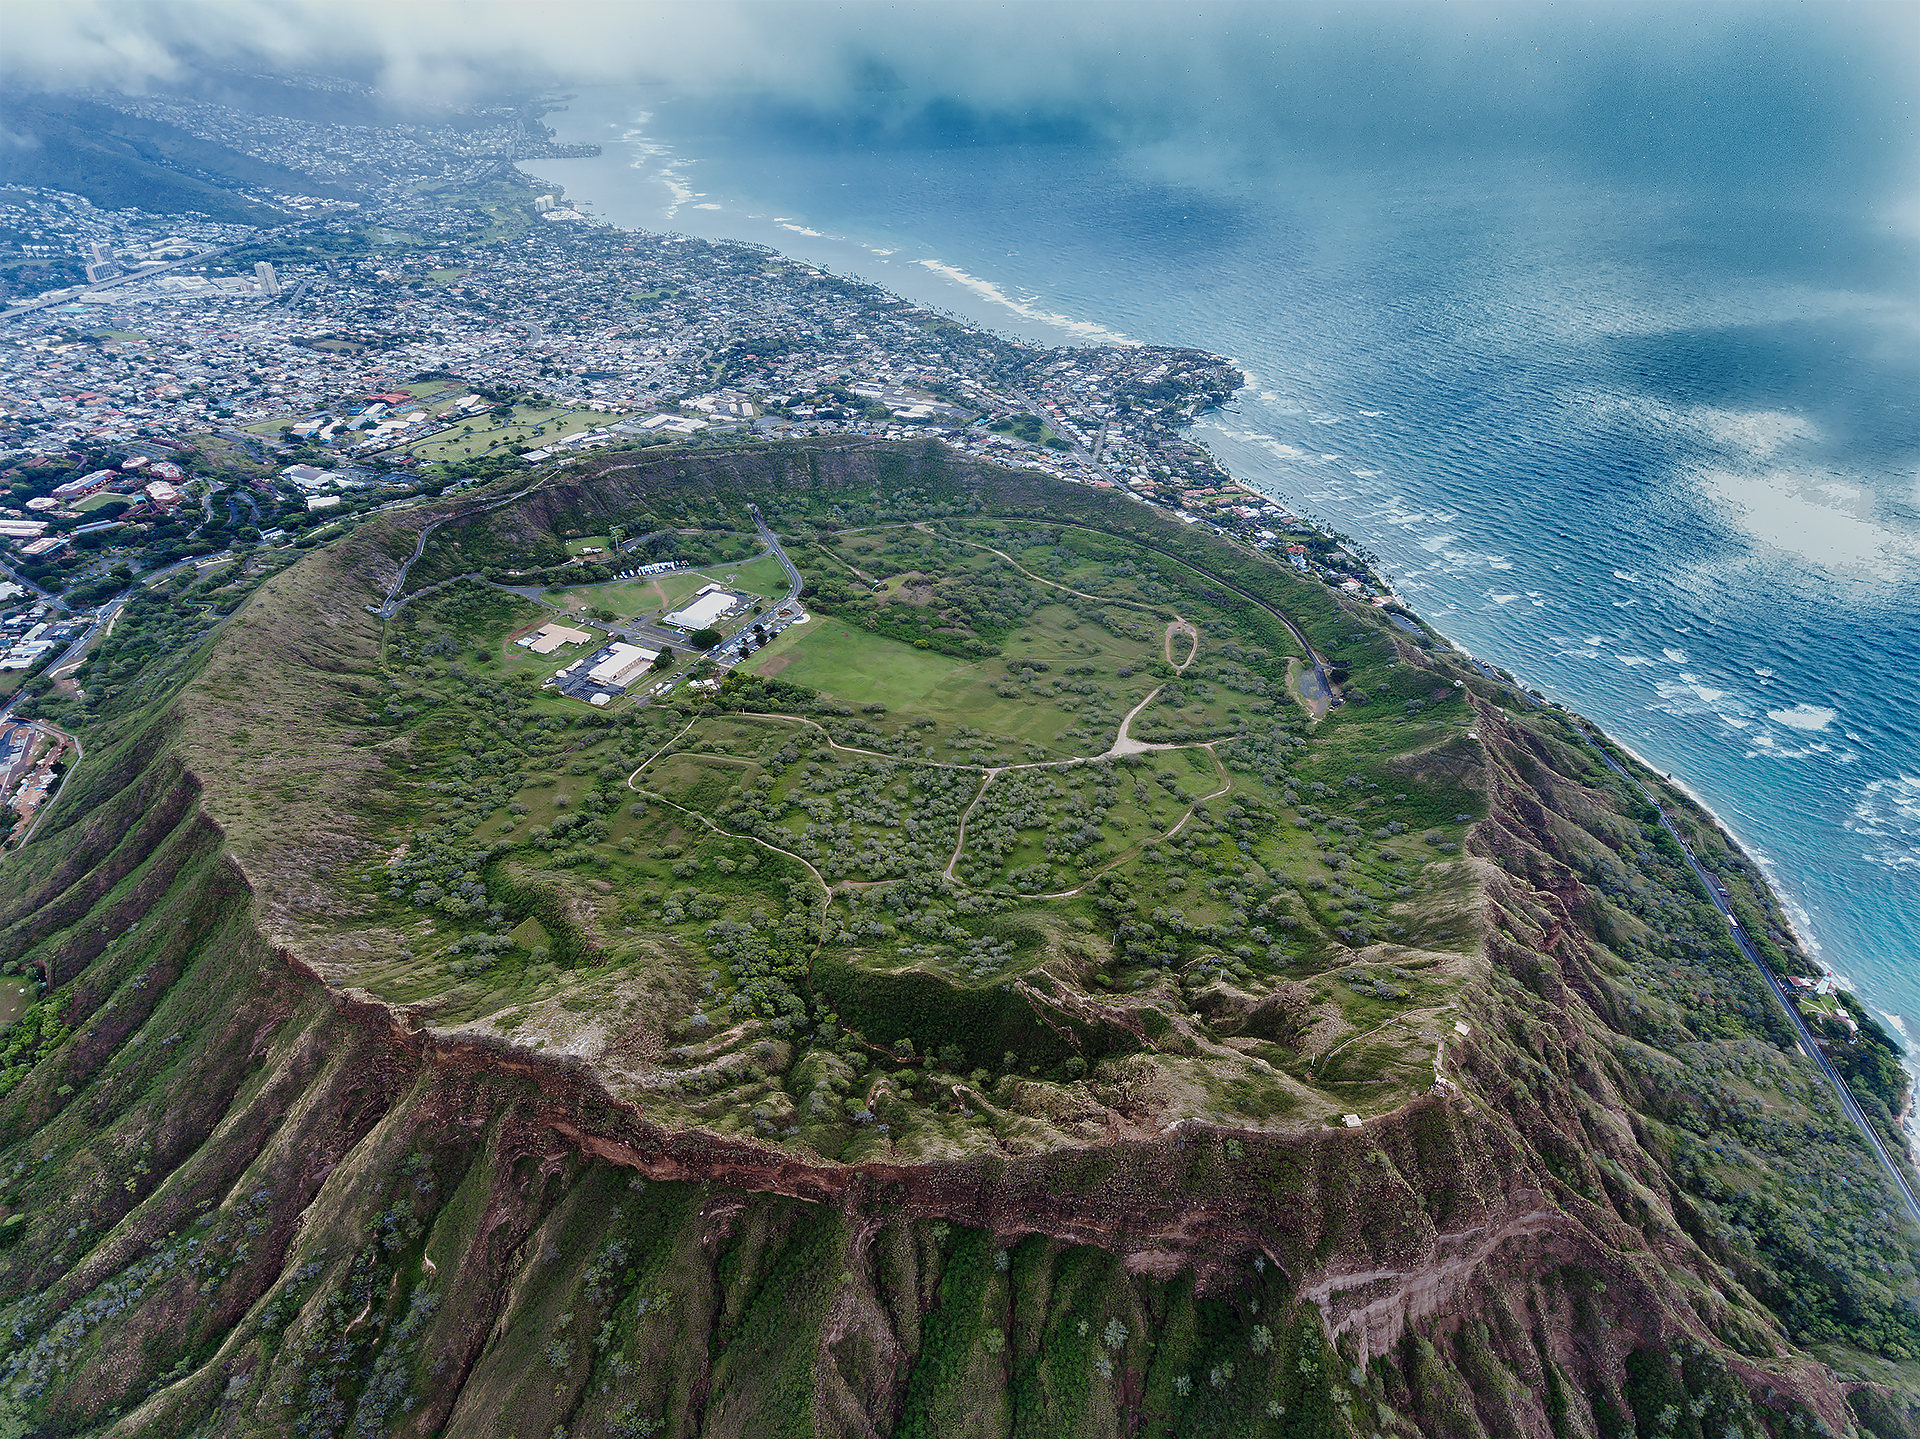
<point x="1649" y="441"/>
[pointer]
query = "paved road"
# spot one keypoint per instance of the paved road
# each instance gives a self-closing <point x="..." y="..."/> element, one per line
<point x="733" y="649"/>
<point x="16" y="742"/>
<point x="636" y="631"/>
<point x="1068" y="430"/>
<point x="773" y="543"/>
<point x="104" y="617"/>
<point x="1718" y="895"/>
<point x="79" y="753"/>
<point x="393" y="600"/>
<point x="45" y="597"/>
<point x="277" y="232"/>
<point x="80" y="298"/>
<point x="727" y="650"/>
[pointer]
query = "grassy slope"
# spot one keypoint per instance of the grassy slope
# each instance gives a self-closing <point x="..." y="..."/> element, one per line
<point x="119" y="160"/>
<point x="249" y="1207"/>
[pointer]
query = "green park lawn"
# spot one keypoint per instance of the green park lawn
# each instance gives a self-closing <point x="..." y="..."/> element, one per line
<point x="976" y="704"/>
<point x="838" y="660"/>
<point x="532" y="425"/>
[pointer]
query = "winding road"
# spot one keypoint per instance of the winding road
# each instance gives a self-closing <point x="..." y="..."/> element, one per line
<point x="385" y="609"/>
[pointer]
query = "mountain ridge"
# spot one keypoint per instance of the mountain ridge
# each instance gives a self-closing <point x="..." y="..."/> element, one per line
<point x="1510" y="1253"/>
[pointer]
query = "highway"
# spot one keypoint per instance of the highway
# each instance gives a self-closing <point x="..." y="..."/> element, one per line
<point x="1718" y="896"/>
<point x="104" y="617"/>
<point x="80" y="296"/>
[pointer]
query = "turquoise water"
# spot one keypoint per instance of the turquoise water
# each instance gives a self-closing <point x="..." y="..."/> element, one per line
<point x="1648" y="440"/>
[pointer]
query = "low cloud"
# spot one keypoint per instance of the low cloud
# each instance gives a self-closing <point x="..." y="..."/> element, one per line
<point x="1749" y="85"/>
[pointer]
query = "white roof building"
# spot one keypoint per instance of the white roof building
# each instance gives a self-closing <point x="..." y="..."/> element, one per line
<point x="548" y="638"/>
<point x="706" y="607"/>
<point x="625" y="664"/>
<point x="308" y="477"/>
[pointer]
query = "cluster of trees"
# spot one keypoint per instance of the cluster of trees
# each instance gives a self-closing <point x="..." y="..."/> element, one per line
<point x="966" y="611"/>
<point x="1063" y="812"/>
<point x="38" y="1031"/>
<point x="1869" y="1059"/>
<point x="863" y="819"/>
<point x="1814" y="1236"/>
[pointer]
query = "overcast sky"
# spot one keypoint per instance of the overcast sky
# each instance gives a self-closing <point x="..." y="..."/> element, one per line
<point x="1827" y="86"/>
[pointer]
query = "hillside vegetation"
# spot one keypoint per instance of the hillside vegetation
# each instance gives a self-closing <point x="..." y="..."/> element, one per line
<point x="1010" y="1004"/>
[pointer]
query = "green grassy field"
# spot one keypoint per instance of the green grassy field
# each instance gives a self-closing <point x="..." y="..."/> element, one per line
<point x="657" y="594"/>
<point x="531" y="425"/>
<point x="842" y="663"/>
<point x="625" y="598"/>
<point x="15" y="995"/>
<point x="1061" y="687"/>
<point x="765" y="577"/>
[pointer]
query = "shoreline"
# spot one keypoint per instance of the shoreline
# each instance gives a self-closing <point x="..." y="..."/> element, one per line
<point x="1908" y="1119"/>
<point x="1809" y="948"/>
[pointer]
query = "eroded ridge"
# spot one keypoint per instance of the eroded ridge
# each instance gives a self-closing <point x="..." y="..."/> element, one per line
<point x="422" y="1042"/>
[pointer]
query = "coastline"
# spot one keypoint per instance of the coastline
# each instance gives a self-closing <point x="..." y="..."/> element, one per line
<point x="1794" y="918"/>
<point x="1085" y="331"/>
<point x="1907" y="1118"/>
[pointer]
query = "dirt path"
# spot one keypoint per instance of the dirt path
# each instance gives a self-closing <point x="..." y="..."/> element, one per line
<point x="1184" y="627"/>
<point x="1408" y="1017"/>
<point x="1037" y="579"/>
<point x="960" y="839"/>
<point x="1313" y="686"/>
<point x="1124" y="744"/>
<point x="1318" y="697"/>
<point x="1226" y="786"/>
<point x="826" y="890"/>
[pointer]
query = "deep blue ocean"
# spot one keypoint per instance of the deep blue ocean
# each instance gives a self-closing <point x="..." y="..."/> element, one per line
<point x="1650" y="441"/>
